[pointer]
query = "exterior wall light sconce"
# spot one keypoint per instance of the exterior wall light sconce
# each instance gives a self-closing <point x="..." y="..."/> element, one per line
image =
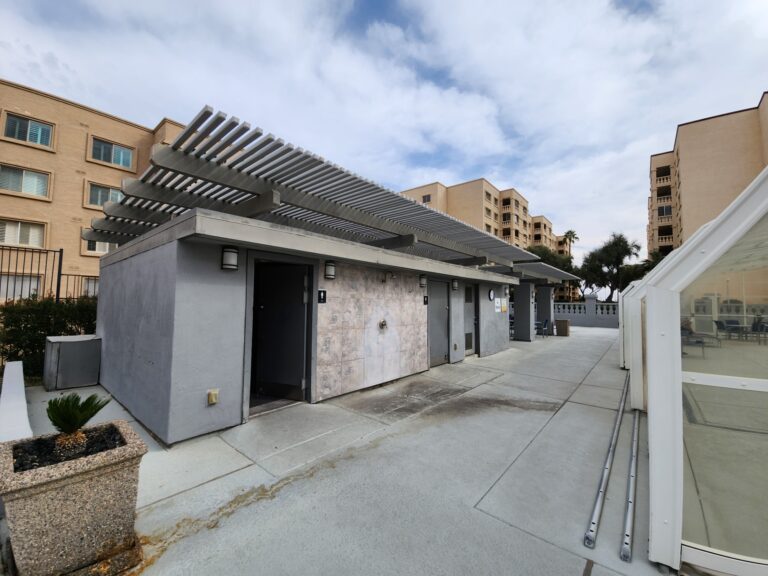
<point x="506" y="290"/>
<point x="422" y="280"/>
<point x="454" y="284"/>
<point x="330" y="270"/>
<point x="229" y="256"/>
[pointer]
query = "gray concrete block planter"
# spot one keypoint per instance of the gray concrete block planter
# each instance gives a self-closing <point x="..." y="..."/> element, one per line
<point x="75" y="517"/>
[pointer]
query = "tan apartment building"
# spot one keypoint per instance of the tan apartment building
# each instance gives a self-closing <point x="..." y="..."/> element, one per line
<point x="712" y="161"/>
<point x="502" y="213"/>
<point x="59" y="163"/>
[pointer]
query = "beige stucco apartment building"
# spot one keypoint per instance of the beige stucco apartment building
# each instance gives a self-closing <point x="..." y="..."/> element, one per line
<point x="503" y="213"/>
<point x="59" y="163"/>
<point x="712" y="161"/>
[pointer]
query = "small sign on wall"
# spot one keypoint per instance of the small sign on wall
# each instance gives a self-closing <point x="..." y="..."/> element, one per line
<point x="503" y="304"/>
<point x="426" y="300"/>
<point x="497" y="304"/>
<point x="321" y="296"/>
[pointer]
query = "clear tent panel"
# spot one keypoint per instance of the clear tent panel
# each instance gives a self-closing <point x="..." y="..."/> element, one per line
<point x="724" y="332"/>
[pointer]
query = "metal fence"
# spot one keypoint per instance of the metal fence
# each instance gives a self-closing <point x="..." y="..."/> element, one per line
<point x="31" y="272"/>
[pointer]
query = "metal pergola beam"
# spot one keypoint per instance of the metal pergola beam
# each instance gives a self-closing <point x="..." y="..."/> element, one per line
<point x="398" y="242"/>
<point x="478" y="261"/>
<point x="135" y="213"/>
<point x="164" y="156"/>
<point x="98" y="236"/>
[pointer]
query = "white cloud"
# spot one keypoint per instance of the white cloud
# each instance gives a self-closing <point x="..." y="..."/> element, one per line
<point x="564" y="101"/>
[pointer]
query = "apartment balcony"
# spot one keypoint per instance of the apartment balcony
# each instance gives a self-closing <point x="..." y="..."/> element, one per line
<point x="663" y="179"/>
<point x="665" y="239"/>
<point x="664" y="219"/>
<point x="663" y="199"/>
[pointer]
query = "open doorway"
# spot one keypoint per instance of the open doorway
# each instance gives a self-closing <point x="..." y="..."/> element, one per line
<point x="280" y="334"/>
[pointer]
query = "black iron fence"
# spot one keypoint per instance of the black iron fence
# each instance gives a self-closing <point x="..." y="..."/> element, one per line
<point x="29" y="272"/>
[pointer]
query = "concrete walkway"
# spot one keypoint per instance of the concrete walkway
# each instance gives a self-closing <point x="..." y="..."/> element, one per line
<point x="485" y="467"/>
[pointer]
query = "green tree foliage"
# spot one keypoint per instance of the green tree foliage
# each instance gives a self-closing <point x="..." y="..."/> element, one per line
<point x="562" y="261"/>
<point x="606" y="267"/>
<point x="24" y="325"/>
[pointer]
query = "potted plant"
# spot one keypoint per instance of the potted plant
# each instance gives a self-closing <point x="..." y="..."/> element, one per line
<point x="70" y="498"/>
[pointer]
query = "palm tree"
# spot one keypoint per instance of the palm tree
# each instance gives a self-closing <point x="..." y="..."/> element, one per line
<point x="570" y="237"/>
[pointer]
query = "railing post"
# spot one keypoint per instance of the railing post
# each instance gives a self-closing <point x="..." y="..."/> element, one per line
<point x="58" y="275"/>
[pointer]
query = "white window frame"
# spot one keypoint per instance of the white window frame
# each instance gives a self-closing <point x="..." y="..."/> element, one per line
<point x="30" y="123"/>
<point x="17" y="224"/>
<point x="25" y="175"/>
<point x="120" y="148"/>
<point x="101" y="247"/>
<point x="115" y="194"/>
<point x="22" y="285"/>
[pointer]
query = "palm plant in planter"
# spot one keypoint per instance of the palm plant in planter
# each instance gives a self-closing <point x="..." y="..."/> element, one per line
<point x="69" y="414"/>
<point x="70" y="498"/>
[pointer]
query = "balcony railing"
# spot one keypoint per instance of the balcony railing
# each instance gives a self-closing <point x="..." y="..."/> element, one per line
<point x="665" y="239"/>
<point x="663" y="179"/>
<point x="664" y="199"/>
<point x="663" y="219"/>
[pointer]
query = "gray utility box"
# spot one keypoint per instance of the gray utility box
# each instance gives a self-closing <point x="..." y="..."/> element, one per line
<point x="71" y="361"/>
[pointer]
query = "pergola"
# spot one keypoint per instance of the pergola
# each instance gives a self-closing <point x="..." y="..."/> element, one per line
<point x="219" y="163"/>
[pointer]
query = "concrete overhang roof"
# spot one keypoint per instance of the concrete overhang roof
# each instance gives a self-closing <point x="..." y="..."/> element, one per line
<point x="221" y="164"/>
<point x="231" y="230"/>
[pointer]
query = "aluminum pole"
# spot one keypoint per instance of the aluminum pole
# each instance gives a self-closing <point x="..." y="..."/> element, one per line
<point x="590" y="536"/>
<point x="629" y="513"/>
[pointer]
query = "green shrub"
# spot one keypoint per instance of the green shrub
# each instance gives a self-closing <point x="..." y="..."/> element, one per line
<point x="24" y="325"/>
<point x="69" y="413"/>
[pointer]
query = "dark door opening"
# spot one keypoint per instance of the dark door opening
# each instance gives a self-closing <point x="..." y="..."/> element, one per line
<point x="437" y="318"/>
<point x="279" y="342"/>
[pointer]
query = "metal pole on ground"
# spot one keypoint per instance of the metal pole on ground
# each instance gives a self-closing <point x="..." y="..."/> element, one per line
<point x="590" y="536"/>
<point x="629" y="513"/>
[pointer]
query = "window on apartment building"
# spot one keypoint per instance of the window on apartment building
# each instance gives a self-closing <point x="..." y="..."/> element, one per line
<point x="24" y="181"/>
<point x="537" y="236"/>
<point x="517" y="204"/>
<point x="663" y="171"/>
<point x="561" y="251"/>
<point x="525" y="224"/>
<point x="525" y="210"/>
<point x="496" y="216"/>
<point x="487" y="196"/>
<point x="517" y="219"/>
<point x="100" y="247"/>
<point x="665" y="230"/>
<point x="90" y="287"/>
<point x="21" y="233"/>
<point x="663" y="191"/>
<point x="506" y="201"/>
<point x="537" y="225"/>
<point x="99" y="195"/>
<point x="506" y="231"/>
<point x="426" y="199"/>
<point x="506" y="217"/>
<point x="517" y="233"/>
<point x="28" y="130"/>
<point x="665" y="210"/>
<point x="495" y="201"/>
<point x="495" y="231"/>
<point x="488" y="228"/>
<point x="112" y="153"/>
<point x="488" y="212"/>
<point x="14" y="286"/>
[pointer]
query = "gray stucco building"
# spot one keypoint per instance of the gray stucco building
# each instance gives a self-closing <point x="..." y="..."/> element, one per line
<point x="242" y="278"/>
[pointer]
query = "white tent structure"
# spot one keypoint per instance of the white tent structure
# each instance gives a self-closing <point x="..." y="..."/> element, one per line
<point x="694" y="339"/>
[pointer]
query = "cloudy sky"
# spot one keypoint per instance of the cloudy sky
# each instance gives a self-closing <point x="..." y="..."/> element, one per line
<point x="563" y="100"/>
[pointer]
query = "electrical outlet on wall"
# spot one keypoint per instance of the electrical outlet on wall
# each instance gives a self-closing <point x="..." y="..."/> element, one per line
<point x="213" y="396"/>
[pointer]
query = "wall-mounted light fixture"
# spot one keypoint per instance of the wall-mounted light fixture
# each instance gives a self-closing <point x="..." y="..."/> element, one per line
<point x="506" y="290"/>
<point x="330" y="270"/>
<point x="454" y="284"/>
<point x="422" y="280"/>
<point x="229" y="256"/>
